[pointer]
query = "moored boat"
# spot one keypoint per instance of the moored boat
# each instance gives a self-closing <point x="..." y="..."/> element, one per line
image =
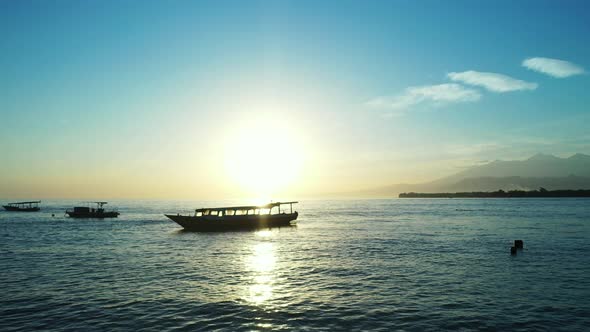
<point x="88" y="212"/>
<point x="237" y="218"/>
<point x="32" y="206"/>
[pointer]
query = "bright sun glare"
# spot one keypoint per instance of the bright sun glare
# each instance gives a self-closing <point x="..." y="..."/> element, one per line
<point x="263" y="157"/>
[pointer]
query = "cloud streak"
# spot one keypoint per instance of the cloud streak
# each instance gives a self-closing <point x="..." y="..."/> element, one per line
<point x="553" y="67"/>
<point x="492" y="81"/>
<point x="437" y="94"/>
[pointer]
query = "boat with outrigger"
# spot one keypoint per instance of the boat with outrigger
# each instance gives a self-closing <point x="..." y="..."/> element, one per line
<point x="32" y="206"/>
<point x="231" y="218"/>
<point x="89" y="212"/>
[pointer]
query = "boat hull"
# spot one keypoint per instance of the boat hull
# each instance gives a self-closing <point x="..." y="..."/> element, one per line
<point x="233" y="223"/>
<point x="17" y="209"/>
<point x="97" y="215"/>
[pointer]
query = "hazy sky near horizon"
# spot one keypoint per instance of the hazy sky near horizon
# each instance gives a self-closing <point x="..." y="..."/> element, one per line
<point x="196" y="99"/>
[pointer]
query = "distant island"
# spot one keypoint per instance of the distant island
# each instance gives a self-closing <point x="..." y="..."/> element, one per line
<point x="540" y="170"/>
<point x="542" y="192"/>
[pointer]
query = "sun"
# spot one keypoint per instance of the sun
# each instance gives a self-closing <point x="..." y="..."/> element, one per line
<point x="263" y="157"/>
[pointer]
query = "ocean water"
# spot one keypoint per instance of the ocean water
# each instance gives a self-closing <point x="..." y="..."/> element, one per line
<point x="411" y="264"/>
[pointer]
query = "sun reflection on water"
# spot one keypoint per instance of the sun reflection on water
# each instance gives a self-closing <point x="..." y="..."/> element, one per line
<point x="260" y="265"/>
<point x="265" y="233"/>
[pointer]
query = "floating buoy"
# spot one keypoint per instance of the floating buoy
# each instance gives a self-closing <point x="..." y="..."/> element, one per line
<point x="518" y="244"/>
<point x="53" y="214"/>
<point x="513" y="251"/>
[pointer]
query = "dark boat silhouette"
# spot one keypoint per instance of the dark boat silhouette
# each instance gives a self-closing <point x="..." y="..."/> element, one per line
<point x="87" y="212"/>
<point x="237" y="218"/>
<point x="32" y="206"/>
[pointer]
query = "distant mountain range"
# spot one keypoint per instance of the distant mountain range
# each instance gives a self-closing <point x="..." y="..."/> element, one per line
<point x="541" y="170"/>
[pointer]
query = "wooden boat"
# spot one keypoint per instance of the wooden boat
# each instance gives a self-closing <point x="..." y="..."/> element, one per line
<point x="88" y="212"/>
<point x="32" y="206"/>
<point x="237" y="218"/>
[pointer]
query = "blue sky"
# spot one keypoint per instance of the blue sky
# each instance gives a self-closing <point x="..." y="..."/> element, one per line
<point x="375" y="92"/>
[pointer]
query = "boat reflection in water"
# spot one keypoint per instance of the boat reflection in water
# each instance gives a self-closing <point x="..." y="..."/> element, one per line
<point x="237" y="218"/>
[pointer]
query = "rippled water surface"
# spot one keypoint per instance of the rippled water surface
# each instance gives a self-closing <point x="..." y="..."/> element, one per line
<point x="416" y="265"/>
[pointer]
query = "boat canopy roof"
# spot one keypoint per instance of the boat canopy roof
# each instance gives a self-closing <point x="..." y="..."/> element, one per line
<point x="22" y="203"/>
<point x="246" y="207"/>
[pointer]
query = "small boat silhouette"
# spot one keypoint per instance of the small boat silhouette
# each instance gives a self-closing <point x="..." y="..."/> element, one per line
<point x="32" y="206"/>
<point x="87" y="212"/>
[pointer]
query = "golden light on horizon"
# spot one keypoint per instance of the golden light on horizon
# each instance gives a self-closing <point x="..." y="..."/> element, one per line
<point x="263" y="157"/>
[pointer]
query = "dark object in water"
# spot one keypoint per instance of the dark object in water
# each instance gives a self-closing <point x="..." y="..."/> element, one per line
<point x="519" y="244"/>
<point x="513" y="251"/>
<point x="236" y="218"/>
<point x="32" y="206"/>
<point x="87" y="212"/>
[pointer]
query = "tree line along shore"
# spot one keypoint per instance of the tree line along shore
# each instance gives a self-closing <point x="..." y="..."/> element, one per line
<point x="542" y="192"/>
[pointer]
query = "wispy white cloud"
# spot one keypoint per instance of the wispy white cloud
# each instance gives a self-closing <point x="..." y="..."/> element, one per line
<point x="492" y="81"/>
<point x="437" y="94"/>
<point x="553" y="67"/>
